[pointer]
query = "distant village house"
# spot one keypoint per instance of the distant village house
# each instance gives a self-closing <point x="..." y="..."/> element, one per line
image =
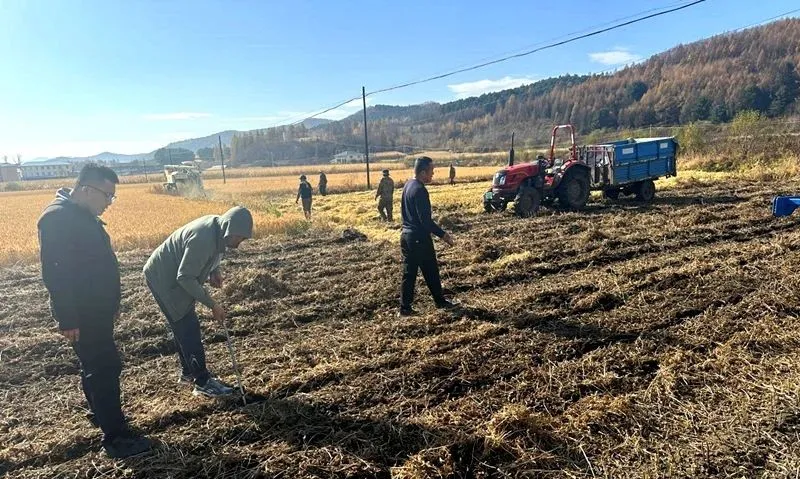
<point x="348" y="157"/>
<point x="9" y="172"/>
<point x="48" y="170"/>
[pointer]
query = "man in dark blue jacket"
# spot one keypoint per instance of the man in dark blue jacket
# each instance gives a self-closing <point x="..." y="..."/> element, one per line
<point x="416" y="243"/>
<point x="81" y="273"/>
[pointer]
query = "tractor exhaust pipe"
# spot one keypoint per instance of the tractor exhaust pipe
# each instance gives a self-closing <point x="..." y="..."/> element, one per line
<point x="511" y="152"/>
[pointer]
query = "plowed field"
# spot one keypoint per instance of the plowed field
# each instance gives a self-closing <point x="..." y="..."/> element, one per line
<point x="625" y="340"/>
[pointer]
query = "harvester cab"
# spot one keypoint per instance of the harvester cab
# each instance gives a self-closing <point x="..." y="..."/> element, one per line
<point x="183" y="180"/>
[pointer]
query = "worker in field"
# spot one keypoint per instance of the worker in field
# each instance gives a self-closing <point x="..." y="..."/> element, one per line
<point x="416" y="244"/>
<point x="176" y="273"/>
<point x="305" y="192"/>
<point x="384" y="196"/>
<point x="452" y="174"/>
<point x="81" y="274"/>
<point x="323" y="183"/>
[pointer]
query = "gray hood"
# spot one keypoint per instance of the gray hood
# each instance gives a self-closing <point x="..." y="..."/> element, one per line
<point x="64" y="194"/>
<point x="237" y="221"/>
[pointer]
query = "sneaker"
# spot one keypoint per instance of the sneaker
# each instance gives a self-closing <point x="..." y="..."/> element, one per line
<point x="445" y="304"/>
<point x="213" y="388"/>
<point x="127" y="446"/>
<point x="406" y="312"/>
<point x="186" y="379"/>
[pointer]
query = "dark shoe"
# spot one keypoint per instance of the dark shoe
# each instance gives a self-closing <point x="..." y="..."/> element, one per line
<point x="407" y="312"/>
<point x="213" y="388"/>
<point x="445" y="304"/>
<point x="93" y="419"/>
<point x="127" y="446"/>
<point x="186" y="379"/>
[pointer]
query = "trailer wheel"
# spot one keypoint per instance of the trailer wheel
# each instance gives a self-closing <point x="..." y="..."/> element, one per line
<point x="527" y="202"/>
<point x="574" y="190"/>
<point x="646" y="191"/>
<point x="611" y="194"/>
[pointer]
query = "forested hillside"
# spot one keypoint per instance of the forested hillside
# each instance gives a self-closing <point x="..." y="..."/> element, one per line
<point x="709" y="80"/>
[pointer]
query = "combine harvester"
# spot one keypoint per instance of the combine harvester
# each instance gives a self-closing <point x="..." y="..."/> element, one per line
<point x="625" y="167"/>
<point x="184" y="180"/>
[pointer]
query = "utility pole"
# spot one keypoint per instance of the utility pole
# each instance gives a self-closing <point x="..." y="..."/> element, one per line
<point x="221" y="158"/>
<point x="366" y="140"/>
<point x="144" y="165"/>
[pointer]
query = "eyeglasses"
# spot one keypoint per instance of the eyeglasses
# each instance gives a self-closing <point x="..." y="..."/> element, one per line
<point x="109" y="196"/>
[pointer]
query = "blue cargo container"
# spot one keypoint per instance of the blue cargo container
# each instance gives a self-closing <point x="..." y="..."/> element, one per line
<point x="630" y="166"/>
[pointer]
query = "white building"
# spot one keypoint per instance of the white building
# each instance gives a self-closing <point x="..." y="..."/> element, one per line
<point x="8" y="172"/>
<point x="38" y="171"/>
<point x="348" y="157"/>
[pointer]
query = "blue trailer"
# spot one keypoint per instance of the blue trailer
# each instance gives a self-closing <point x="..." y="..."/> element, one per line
<point x="630" y="166"/>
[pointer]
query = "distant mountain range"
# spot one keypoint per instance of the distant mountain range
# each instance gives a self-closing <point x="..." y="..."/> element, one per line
<point x="193" y="144"/>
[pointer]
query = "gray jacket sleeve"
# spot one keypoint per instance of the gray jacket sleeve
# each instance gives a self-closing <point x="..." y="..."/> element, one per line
<point x="196" y="255"/>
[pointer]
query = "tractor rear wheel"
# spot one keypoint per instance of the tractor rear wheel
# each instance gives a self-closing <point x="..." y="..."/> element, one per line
<point x="574" y="190"/>
<point x="646" y="191"/>
<point x="527" y="202"/>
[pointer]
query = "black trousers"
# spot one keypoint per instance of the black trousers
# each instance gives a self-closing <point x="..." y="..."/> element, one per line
<point x="418" y="253"/>
<point x="188" y="342"/>
<point x="385" y="208"/>
<point x="100" y="370"/>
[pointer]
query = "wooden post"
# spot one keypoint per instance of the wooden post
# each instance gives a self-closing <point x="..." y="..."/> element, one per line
<point x="366" y="140"/>
<point x="222" y="158"/>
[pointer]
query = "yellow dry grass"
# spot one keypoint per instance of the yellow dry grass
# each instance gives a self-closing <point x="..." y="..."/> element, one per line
<point x="142" y="219"/>
<point x="138" y="219"/>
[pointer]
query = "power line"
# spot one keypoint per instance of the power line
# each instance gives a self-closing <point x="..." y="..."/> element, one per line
<point x="587" y="29"/>
<point x="509" y="57"/>
<point x="327" y="110"/>
<point x="764" y="21"/>
<point x="529" y="52"/>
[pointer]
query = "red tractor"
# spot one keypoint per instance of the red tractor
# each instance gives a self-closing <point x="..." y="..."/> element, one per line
<point x="529" y="185"/>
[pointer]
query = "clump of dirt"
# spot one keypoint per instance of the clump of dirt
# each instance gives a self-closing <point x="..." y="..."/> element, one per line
<point x="352" y="234"/>
<point x="451" y="223"/>
<point x="433" y="462"/>
<point x="253" y="284"/>
<point x="599" y="301"/>
<point x="593" y="235"/>
<point x="697" y="218"/>
<point x="519" y="431"/>
<point x="602" y="414"/>
<point x="488" y="253"/>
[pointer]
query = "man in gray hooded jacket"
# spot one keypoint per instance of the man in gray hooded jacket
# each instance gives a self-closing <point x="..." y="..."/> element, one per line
<point x="175" y="274"/>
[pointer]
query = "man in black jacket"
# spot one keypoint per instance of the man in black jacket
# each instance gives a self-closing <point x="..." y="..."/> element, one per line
<point x="305" y="192"/>
<point x="81" y="273"/>
<point x="416" y="244"/>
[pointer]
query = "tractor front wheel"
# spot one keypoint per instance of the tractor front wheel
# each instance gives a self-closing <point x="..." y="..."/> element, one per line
<point x="527" y="202"/>
<point x="574" y="191"/>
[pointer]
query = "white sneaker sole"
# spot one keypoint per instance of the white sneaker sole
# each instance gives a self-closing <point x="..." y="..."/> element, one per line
<point x="197" y="392"/>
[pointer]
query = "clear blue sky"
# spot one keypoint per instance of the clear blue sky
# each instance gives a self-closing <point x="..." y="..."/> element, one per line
<point x="82" y="76"/>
